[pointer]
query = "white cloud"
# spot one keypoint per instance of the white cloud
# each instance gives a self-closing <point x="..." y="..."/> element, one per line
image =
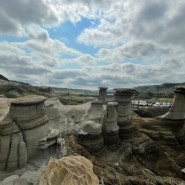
<point x="17" y="14"/>
<point x="138" y="42"/>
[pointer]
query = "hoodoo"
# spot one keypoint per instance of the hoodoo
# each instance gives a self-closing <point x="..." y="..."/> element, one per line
<point x="30" y="116"/>
<point x="102" y="94"/>
<point x="175" y="117"/>
<point x="90" y="134"/>
<point x="110" y="126"/>
<point x="20" y="130"/>
<point x="177" y="111"/>
<point x="123" y="97"/>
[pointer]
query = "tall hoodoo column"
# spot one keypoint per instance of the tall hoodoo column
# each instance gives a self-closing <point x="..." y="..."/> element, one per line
<point x="123" y="97"/>
<point x="29" y="115"/>
<point x="90" y="135"/>
<point x="174" y="119"/>
<point x="110" y="126"/>
<point x="177" y="110"/>
<point x="102" y="94"/>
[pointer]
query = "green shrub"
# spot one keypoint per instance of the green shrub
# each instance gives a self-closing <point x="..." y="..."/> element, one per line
<point x="9" y="95"/>
<point x="6" y="88"/>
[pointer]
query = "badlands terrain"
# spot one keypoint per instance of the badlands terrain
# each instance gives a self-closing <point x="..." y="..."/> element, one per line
<point x="43" y="141"/>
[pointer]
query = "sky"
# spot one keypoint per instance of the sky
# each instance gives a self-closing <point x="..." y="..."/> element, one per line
<point x="85" y="44"/>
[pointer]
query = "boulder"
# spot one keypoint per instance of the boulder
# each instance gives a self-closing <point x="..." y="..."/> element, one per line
<point x="71" y="170"/>
<point x="15" y="180"/>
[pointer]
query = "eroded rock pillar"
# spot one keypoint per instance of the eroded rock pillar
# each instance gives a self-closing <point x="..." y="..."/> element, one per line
<point x="29" y="115"/>
<point x="123" y="97"/>
<point x="174" y="119"/>
<point x="102" y="94"/>
<point x="110" y="126"/>
<point x="90" y="135"/>
<point x="177" y="110"/>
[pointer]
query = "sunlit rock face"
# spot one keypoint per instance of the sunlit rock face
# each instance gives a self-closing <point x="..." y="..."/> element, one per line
<point x="123" y="97"/>
<point x="90" y="135"/>
<point x="110" y="126"/>
<point x="69" y="170"/>
<point x="102" y="94"/>
<point x="29" y="115"/>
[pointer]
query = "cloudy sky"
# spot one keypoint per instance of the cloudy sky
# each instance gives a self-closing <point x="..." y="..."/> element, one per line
<point x="91" y="43"/>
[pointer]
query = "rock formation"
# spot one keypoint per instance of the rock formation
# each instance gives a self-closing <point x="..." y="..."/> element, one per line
<point x="126" y="128"/>
<point x="20" y="130"/>
<point x="71" y="170"/>
<point x="48" y="140"/>
<point x="29" y="115"/>
<point x="168" y="130"/>
<point x="90" y="135"/>
<point x="13" y="151"/>
<point x="110" y="126"/>
<point x="102" y="94"/>
<point x="177" y="110"/>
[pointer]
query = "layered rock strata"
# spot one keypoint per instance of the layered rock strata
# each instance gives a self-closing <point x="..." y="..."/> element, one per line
<point x="110" y="126"/>
<point x="23" y="125"/>
<point x="102" y="94"/>
<point x="29" y="115"/>
<point x="126" y="128"/>
<point x="13" y="151"/>
<point x="168" y="130"/>
<point x="177" y="110"/>
<point x="175" y="117"/>
<point x="90" y="135"/>
<point x="48" y="140"/>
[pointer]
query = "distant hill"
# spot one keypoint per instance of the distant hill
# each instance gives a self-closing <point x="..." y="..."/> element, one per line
<point x="163" y="88"/>
<point x="11" y="88"/>
<point x="3" y="78"/>
<point x="74" y="90"/>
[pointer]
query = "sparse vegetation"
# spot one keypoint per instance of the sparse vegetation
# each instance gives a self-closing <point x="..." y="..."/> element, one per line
<point x="71" y="98"/>
<point x="6" y="90"/>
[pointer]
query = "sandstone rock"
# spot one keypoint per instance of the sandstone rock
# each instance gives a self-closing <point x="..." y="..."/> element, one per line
<point x="92" y="127"/>
<point x="110" y="126"/>
<point x="102" y="94"/>
<point x="126" y="128"/>
<point x="48" y="140"/>
<point x="15" y="180"/>
<point x="55" y="113"/>
<point x="53" y="133"/>
<point x="13" y="152"/>
<point x="110" y="120"/>
<point x="71" y="170"/>
<point x="177" y="110"/>
<point x="32" y="177"/>
<point x="30" y="116"/>
<point x="62" y="150"/>
<point x="90" y="135"/>
<point x="21" y="128"/>
<point x="96" y="112"/>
